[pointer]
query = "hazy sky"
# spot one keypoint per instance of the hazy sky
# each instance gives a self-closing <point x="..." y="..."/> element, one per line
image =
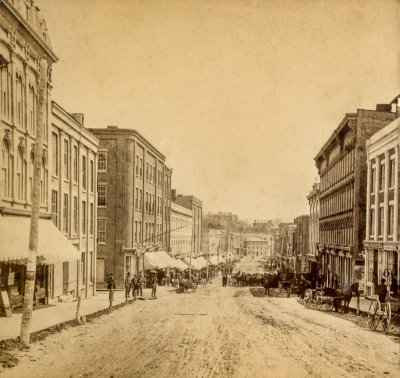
<point x="238" y="94"/>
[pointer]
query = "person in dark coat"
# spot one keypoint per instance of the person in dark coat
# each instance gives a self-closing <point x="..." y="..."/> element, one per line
<point x="127" y="286"/>
<point x="153" y="281"/>
<point x="111" y="288"/>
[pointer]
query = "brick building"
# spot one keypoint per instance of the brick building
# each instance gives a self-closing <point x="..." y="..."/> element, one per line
<point x="302" y="242"/>
<point x="382" y="241"/>
<point x="134" y="203"/>
<point x="342" y="167"/>
<point x="256" y="247"/>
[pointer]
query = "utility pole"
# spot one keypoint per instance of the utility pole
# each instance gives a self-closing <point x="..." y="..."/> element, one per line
<point x="35" y="211"/>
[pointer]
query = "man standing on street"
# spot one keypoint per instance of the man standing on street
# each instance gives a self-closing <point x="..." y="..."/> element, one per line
<point x="134" y="285"/>
<point x="111" y="288"/>
<point x="140" y="284"/>
<point x="127" y="286"/>
<point x="153" y="285"/>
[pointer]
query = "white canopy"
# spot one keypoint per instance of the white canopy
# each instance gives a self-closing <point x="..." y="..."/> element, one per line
<point x="194" y="264"/>
<point x="53" y="246"/>
<point x="179" y="264"/>
<point x="158" y="260"/>
<point x="214" y="260"/>
<point x="201" y="261"/>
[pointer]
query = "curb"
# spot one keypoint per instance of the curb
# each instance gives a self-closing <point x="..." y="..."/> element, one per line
<point x="13" y="343"/>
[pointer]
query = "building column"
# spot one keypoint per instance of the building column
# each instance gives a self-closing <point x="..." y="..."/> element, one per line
<point x="368" y="231"/>
<point x="376" y="193"/>
<point x="396" y="233"/>
<point x="386" y="197"/>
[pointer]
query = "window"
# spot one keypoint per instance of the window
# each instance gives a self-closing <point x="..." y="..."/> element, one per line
<point x="43" y="183"/>
<point x="382" y="177"/>
<point x="101" y="230"/>
<point x="140" y="231"/>
<point x="65" y="214"/>
<point x="154" y="175"/>
<point x="381" y="221"/>
<point x="101" y="195"/>
<point x="391" y="220"/>
<point x="140" y="199"/>
<point x="141" y="168"/>
<point x="91" y="179"/>
<point x="153" y="208"/>
<point x="5" y="164"/>
<point x="102" y="161"/>
<point x="136" y="231"/>
<point x="20" y="175"/>
<point x="392" y="173"/>
<point x="75" y="215"/>
<point x="54" y="205"/>
<point x="373" y="178"/>
<point x="147" y="171"/>
<point x="83" y="217"/>
<point x="4" y="90"/>
<point x="83" y="266"/>
<point x="31" y="107"/>
<point x="84" y="172"/>
<point x="19" y="99"/>
<point x="137" y="166"/>
<point x="54" y="157"/>
<point x="136" y="198"/>
<point x="66" y="159"/>
<point x="91" y="219"/>
<point x="75" y="163"/>
<point x="91" y="266"/>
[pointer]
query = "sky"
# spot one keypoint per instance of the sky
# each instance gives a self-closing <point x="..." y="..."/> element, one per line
<point x="239" y="95"/>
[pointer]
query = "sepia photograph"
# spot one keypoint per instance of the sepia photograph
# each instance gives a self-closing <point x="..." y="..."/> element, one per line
<point x="199" y="188"/>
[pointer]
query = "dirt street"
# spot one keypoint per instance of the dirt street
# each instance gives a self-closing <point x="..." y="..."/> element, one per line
<point x="214" y="332"/>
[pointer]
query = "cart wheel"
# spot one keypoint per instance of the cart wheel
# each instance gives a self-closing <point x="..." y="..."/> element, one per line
<point x="307" y="298"/>
<point x="373" y="314"/>
<point x="318" y="300"/>
<point x="387" y="317"/>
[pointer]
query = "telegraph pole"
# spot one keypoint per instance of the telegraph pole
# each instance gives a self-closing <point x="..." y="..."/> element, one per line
<point x="35" y="211"/>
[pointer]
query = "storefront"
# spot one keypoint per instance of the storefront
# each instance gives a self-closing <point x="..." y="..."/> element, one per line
<point x="55" y="252"/>
<point x="381" y="261"/>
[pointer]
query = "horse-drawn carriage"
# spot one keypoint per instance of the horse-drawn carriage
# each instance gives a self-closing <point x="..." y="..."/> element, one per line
<point x="382" y="311"/>
<point x="185" y="285"/>
<point x="329" y="298"/>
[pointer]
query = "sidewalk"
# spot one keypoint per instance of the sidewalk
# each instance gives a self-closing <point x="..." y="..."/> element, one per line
<point x="364" y="305"/>
<point x="62" y="312"/>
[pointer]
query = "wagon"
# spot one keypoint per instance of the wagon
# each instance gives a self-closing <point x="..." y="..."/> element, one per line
<point x="320" y="299"/>
<point x="385" y="311"/>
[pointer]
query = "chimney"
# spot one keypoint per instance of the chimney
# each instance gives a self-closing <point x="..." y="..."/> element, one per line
<point x="78" y="117"/>
<point x="173" y="194"/>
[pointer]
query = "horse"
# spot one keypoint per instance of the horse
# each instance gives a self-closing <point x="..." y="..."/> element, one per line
<point x="345" y="296"/>
<point x="272" y="281"/>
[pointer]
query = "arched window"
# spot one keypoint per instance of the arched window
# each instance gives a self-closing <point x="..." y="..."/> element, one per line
<point x="30" y="176"/>
<point x="31" y="110"/>
<point x="43" y="183"/>
<point x="19" y="174"/>
<point x="19" y="100"/>
<point x="5" y="168"/>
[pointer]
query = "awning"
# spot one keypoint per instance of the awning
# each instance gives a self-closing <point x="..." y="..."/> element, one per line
<point x="201" y="261"/>
<point x="179" y="264"/>
<point x="214" y="260"/>
<point x="53" y="246"/>
<point x="193" y="264"/>
<point x="158" y="260"/>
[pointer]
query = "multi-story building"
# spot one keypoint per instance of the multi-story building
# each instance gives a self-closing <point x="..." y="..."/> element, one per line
<point x="302" y="242"/>
<point x="181" y="231"/>
<point x="133" y="212"/>
<point x="382" y="241"/>
<point x="313" y="200"/>
<point x="73" y="196"/>
<point x="196" y="206"/>
<point x="256" y="247"/>
<point x="24" y="47"/>
<point x="211" y="241"/>
<point x="238" y="244"/>
<point x="266" y="226"/>
<point x="342" y="167"/>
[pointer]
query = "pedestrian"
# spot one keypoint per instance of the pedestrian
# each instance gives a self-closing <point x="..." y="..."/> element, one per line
<point x="382" y="291"/>
<point x="393" y="286"/>
<point x="127" y="286"/>
<point x="111" y="288"/>
<point x="140" y="284"/>
<point x="224" y="279"/>
<point x="153" y="281"/>
<point x="336" y="281"/>
<point x="134" y="284"/>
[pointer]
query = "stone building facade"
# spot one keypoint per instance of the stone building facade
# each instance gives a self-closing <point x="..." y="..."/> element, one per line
<point x="312" y="256"/>
<point x="342" y="167"/>
<point x="133" y="212"/>
<point x="256" y="247"/>
<point x="382" y="240"/>
<point x="181" y="231"/>
<point x="196" y="206"/>
<point x="24" y="47"/>
<point x="73" y="197"/>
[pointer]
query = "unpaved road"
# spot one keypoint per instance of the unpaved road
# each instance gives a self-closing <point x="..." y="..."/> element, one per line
<point x="214" y="332"/>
